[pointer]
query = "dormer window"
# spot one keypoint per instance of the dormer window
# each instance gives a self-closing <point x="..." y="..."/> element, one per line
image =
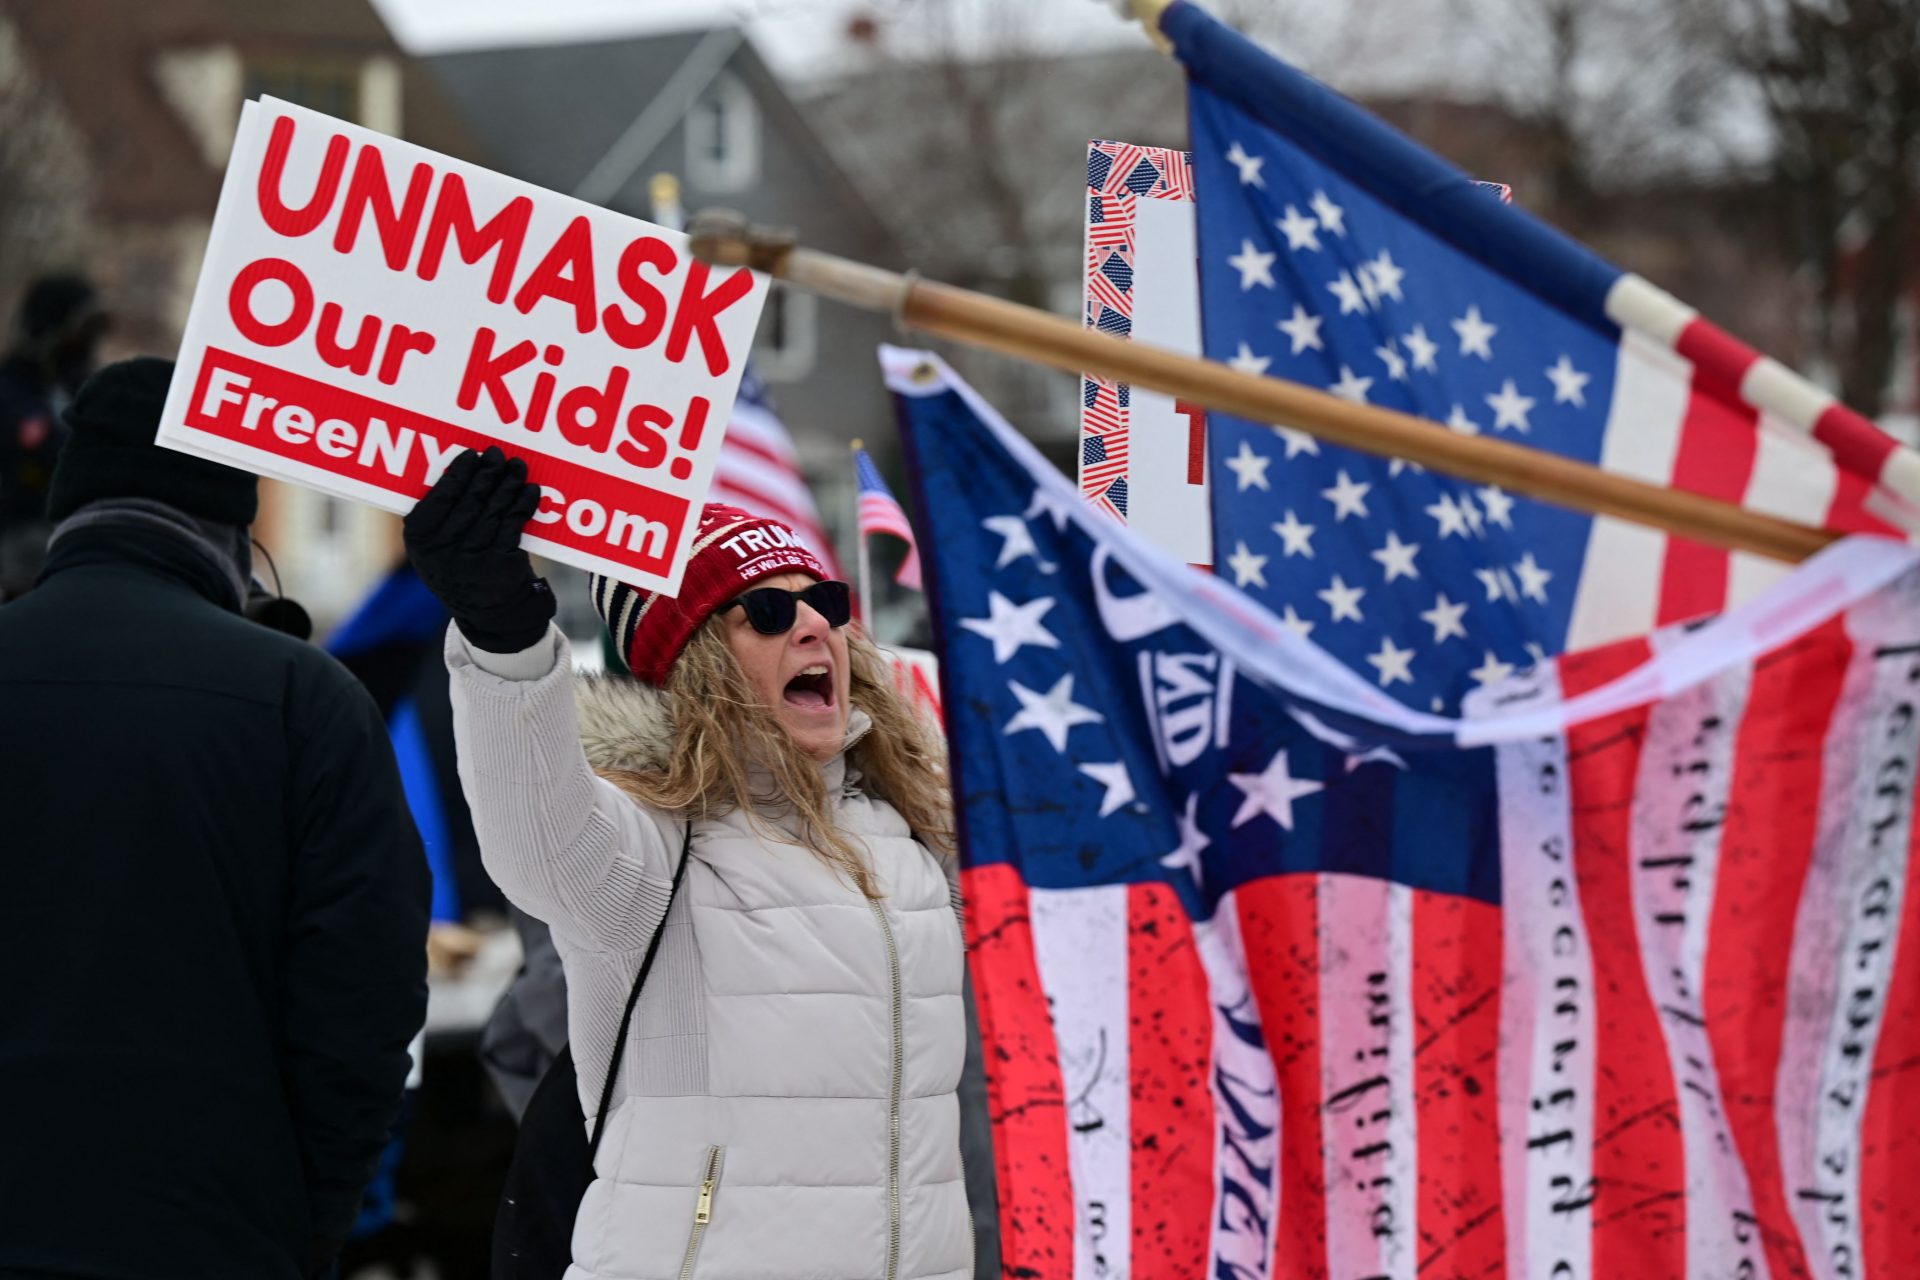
<point x="723" y="138"/>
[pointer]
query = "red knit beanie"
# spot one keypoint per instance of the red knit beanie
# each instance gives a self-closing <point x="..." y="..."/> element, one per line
<point x="732" y="549"/>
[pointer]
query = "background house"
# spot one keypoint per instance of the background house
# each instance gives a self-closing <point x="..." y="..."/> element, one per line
<point x="115" y="124"/>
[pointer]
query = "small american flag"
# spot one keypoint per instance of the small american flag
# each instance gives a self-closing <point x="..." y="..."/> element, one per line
<point x="880" y="513"/>
<point x="759" y="471"/>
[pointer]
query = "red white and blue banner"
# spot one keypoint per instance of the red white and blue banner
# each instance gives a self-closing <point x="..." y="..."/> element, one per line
<point x="1280" y="977"/>
<point x="1336" y="252"/>
<point x="1143" y="456"/>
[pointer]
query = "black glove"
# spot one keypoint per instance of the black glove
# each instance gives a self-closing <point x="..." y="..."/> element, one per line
<point x="464" y="541"/>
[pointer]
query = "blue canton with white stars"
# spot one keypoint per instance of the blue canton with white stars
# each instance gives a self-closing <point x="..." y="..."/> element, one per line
<point x="1426" y="585"/>
<point x="1096" y="738"/>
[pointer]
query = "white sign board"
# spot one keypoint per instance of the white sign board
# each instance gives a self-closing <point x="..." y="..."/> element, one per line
<point x="916" y="675"/>
<point x="368" y="309"/>
<point x="1143" y="456"/>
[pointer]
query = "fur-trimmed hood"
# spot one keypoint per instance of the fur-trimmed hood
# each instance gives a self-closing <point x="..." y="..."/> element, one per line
<point x="625" y="724"/>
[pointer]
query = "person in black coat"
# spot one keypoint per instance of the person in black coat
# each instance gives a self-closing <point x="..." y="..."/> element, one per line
<point x="213" y="902"/>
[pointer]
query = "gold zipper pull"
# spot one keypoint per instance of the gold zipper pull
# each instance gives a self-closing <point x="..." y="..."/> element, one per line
<point x="704" y="1212"/>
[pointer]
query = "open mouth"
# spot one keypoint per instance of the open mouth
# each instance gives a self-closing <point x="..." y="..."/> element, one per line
<point x="812" y="688"/>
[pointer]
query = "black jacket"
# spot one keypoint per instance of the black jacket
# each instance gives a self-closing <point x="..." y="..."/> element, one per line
<point x="213" y="915"/>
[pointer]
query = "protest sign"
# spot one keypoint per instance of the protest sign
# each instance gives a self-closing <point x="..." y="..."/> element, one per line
<point x="1143" y="457"/>
<point x="916" y="676"/>
<point x="368" y="309"/>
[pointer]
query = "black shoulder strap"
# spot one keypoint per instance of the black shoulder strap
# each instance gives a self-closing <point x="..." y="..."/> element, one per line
<point x="633" y="998"/>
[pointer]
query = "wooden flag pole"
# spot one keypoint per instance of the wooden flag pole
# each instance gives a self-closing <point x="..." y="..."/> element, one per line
<point x="1024" y="333"/>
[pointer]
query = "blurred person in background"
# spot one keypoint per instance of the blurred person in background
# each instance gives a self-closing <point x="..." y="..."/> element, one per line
<point x="60" y="327"/>
<point x="786" y="1101"/>
<point x="212" y="896"/>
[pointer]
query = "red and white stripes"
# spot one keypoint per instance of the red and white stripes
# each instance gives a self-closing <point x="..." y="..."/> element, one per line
<point x="1675" y="1049"/>
<point x="1697" y="409"/>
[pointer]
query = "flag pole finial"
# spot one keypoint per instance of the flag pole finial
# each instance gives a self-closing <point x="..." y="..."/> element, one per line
<point x="1147" y="13"/>
<point x="857" y="444"/>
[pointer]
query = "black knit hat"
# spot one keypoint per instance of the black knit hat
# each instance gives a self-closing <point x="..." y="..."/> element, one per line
<point x="110" y="452"/>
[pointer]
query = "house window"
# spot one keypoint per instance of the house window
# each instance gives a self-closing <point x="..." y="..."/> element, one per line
<point x="328" y="86"/>
<point x="723" y="138"/>
<point x="785" y="347"/>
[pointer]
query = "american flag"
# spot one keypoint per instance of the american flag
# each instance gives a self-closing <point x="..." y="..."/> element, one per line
<point x="880" y="513"/>
<point x="1337" y="253"/>
<point x="1279" y="977"/>
<point x="759" y="471"/>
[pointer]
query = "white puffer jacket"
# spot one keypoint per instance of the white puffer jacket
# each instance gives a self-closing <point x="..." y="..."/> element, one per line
<point x="786" y="1106"/>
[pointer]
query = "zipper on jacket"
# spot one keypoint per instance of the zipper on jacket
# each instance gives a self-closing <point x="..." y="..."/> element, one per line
<point x="702" y="1210"/>
<point x="893" y="1098"/>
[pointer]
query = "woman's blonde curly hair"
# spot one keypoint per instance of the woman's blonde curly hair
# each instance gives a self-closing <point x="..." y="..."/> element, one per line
<point x="721" y="729"/>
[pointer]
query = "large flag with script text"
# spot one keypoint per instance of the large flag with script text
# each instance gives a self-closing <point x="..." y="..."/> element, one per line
<point x="1336" y="252"/>
<point x="1279" y="977"/>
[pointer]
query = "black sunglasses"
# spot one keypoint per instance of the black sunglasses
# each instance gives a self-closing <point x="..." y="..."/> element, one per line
<point x="771" y="610"/>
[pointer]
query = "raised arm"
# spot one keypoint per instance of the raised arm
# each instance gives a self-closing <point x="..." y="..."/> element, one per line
<point x="564" y="845"/>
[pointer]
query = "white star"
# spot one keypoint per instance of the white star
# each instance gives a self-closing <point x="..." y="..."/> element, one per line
<point x="1018" y="540"/>
<point x="1272" y="791"/>
<point x="1249" y="468"/>
<point x="1254" y="266"/>
<point x="1452" y="519"/>
<point x="1303" y="329"/>
<point x="1249" y="166"/>
<point x="1301" y="231"/>
<point x="1012" y="625"/>
<point x="1387" y="276"/>
<point x="1498" y="584"/>
<point x="1391" y="662"/>
<point x="1535" y="652"/>
<point x="1192" y="840"/>
<point x="1492" y="671"/>
<point x="1052" y="504"/>
<point x="1347" y="497"/>
<point x="1244" y="361"/>
<point x="1348" y="292"/>
<point x="1499" y="506"/>
<point x="1396" y="465"/>
<point x="1395" y="362"/>
<point x="1569" y="384"/>
<point x="1510" y="408"/>
<point x="1343" y="600"/>
<point x="1295" y="623"/>
<point x="1475" y="334"/>
<point x="1444" y="618"/>
<point x="1052" y="714"/>
<point x="1297" y="442"/>
<point x="1331" y="216"/>
<point x="1460" y="422"/>
<point x="1297" y="538"/>
<point x="1351" y="386"/>
<point x="1423" y="348"/>
<point x="1364" y="274"/>
<point x="1247" y="567"/>
<point x="1114" y="778"/>
<point x="1397" y="557"/>
<point x="1472" y="513"/>
<point x="1533" y="579"/>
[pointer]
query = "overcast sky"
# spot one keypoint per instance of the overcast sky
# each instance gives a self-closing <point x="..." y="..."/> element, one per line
<point x="799" y="37"/>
